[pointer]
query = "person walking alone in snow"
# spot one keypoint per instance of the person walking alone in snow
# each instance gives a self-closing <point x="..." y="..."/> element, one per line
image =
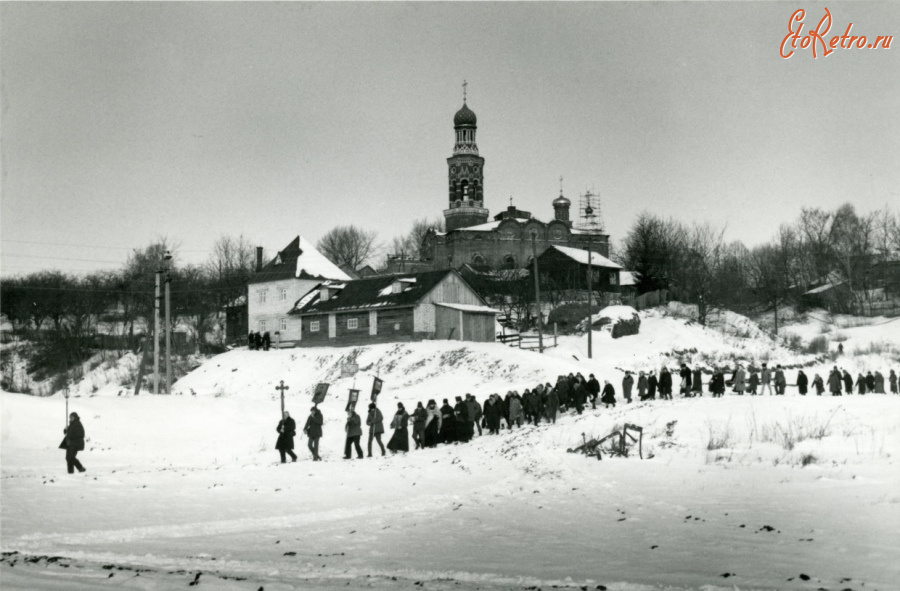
<point x="609" y="394"/>
<point x="73" y="443"/>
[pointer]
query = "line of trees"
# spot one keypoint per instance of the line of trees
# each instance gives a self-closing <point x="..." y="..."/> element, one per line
<point x="62" y="311"/>
<point x="697" y="264"/>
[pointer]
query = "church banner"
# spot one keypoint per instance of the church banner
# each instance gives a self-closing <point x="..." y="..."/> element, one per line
<point x="320" y="393"/>
<point x="351" y="400"/>
<point x="376" y="388"/>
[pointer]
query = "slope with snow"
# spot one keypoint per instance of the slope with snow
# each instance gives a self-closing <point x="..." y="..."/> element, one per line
<point x="734" y="493"/>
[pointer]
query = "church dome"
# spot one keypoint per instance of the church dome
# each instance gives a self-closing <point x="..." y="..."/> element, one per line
<point x="561" y="201"/>
<point x="464" y="116"/>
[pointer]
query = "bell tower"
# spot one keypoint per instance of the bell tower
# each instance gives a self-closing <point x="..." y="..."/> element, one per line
<point x="466" y="174"/>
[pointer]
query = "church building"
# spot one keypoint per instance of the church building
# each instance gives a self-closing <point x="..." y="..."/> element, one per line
<point x="504" y="242"/>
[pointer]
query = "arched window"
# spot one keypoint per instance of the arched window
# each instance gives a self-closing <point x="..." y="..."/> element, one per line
<point x="509" y="262"/>
<point x="478" y="259"/>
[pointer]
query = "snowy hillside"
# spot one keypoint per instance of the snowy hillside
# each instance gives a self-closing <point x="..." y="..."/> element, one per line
<point x="740" y="493"/>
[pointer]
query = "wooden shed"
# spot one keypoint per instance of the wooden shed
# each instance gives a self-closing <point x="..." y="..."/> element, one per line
<point x="408" y="307"/>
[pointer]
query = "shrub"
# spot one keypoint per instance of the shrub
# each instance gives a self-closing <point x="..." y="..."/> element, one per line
<point x="624" y="328"/>
<point x="718" y="437"/>
<point x="817" y="346"/>
<point x="807" y="459"/>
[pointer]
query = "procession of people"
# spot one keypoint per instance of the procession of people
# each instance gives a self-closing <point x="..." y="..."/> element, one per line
<point x="459" y="421"/>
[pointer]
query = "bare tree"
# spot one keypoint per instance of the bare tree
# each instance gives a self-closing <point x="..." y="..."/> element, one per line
<point x="348" y="245"/>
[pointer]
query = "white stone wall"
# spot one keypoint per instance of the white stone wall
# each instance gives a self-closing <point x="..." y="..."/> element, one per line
<point x="280" y="297"/>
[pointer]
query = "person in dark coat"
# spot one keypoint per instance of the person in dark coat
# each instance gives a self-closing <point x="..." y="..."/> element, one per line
<point x="474" y="415"/>
<point x="754" y="382"/>
<point x="642" y="386"/>
<point x="834" y="382"/>
<point x="870" y="383"/>
<point x="717" y="383"/>
<point x="461" y="416"/>
<point x="251" y="341"/>
<point x="353" y="428"/>
<point x="313" y="430"/>
<point x="400" y="439"/>
<point x="493" y="412"/>
<point x="879" y="382"/>
<point x="861" y="384"/>
<point x="375" y="421"/>
<point x="802" y="382"/>
<point x="516" y="414"/>
<point x="848" y="382"/>
<point x="266" y="341"/>
<point x="780" y="381"/>
<point x="562" y="390"/>
<point x="892" y="380"/>
<point x="552" y="405"/>
<point x="419" y="418"/>
<point x="818" y="384"/>
<point x="448" y="423"/>
<point x="531" y="401"/>
<point x="579" y="394"/>
<point x="665" y="384"/>
<point x="432" y="434"/>
<point x="287" y="428"/>
<point x="652" y="383"/>
<point x="609" y="394"/>
<point x="765" y="380"/>
<point x="627" y="383"/>
<point x="697" y="382"/>
<point x="74" y="443"/>
<point x="593" y="388"/>
<point x="685" y="375"/>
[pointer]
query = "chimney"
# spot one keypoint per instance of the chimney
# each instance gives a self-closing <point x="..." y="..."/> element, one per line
<point x="259" y="252"/>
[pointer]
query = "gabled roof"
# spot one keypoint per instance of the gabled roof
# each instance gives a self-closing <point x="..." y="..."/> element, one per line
<point x="298" y="259"/>
<point x="581" y="257"/>
<point x="371" y="293"/>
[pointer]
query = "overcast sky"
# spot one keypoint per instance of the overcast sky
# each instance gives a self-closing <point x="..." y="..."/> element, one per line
<point x="123" y="122"/>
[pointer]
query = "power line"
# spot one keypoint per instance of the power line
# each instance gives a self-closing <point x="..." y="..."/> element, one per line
<point x="88" y="245"/>
<point x="35" y="256"/>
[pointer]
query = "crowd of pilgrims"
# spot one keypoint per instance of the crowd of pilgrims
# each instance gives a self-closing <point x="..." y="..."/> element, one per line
<point x="458" y="422"/>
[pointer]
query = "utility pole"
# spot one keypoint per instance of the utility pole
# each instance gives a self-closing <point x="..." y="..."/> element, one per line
<point x="588" y="213"/>
<point x="167" y="258"/>
<point x="537" y="293"/>
<point x="156" y="335"/>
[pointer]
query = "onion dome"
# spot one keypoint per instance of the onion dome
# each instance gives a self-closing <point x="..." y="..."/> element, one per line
<point x="561" y="201"/>
<point x="464" y="116"/>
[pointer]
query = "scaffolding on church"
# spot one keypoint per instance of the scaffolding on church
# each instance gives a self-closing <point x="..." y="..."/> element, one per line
<point x="589" y="214"/>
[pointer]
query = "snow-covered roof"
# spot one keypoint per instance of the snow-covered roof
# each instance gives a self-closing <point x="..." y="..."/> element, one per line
<point x="315" y="264"/>
<point x="468" y="308"/>
<point x="488" y="227"/>
<point x="617" y="312"/>
<point x="627" y="278"/>
<point x="581" y="256"/>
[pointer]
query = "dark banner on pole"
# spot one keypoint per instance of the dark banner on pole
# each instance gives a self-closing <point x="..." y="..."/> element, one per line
<point x="351" y="401"/>
<point x="321" y="391"/>
<point x="376" y="388"/>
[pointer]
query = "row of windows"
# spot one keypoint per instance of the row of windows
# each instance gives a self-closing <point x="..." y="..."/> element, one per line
<point x="264" y="325"/>
<point x="352" y="324"/>
<point x="263" y="294"/>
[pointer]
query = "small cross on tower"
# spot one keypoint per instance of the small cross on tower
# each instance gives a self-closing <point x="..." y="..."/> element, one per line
<point x="465" y="84"/>
<point x="282" y="387"/>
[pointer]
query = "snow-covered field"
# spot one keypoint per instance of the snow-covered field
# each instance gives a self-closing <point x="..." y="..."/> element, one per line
<point x="741" y="493"/>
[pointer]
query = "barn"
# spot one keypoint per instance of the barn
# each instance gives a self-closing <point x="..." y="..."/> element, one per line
<point x="410" y="307"/>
